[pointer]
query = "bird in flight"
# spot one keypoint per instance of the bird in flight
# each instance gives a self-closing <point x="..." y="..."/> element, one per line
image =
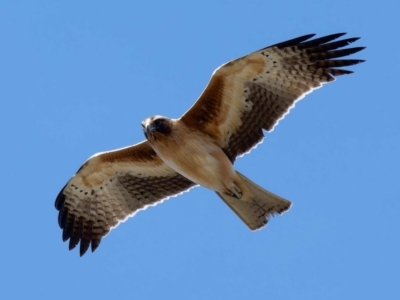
<point x="243" y="97"/>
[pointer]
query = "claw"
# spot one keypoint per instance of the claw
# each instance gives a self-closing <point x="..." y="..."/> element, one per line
<point x="234" y="192"/>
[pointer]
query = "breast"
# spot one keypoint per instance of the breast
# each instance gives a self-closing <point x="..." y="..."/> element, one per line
<point x="197" y="159"/>
<point x="195" y="155"/>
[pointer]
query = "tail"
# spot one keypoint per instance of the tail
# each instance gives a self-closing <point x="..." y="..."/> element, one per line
<point x="257" y="205"/>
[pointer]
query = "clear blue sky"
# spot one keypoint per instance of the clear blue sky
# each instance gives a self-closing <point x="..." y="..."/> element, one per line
<point x="78" y="77"/>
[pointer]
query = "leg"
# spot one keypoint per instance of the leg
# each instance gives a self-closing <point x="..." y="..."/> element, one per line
<point x="234" y="191"/>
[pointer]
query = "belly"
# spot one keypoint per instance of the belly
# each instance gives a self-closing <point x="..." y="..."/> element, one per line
<point x="203" y="164"/>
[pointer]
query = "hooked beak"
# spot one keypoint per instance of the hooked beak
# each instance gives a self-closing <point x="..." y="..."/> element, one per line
<point x="147" y="127"/>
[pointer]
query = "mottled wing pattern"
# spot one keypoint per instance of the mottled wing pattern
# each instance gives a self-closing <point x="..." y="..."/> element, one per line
<point x="254" y="92"/>
<point x="110" y="187"/>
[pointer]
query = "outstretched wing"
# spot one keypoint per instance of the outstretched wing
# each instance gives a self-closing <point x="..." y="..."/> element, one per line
<point x="110" y="187"/>
<point x="254" y="92"/>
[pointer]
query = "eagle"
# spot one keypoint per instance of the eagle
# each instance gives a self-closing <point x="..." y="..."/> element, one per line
<point x="243" y="98"/>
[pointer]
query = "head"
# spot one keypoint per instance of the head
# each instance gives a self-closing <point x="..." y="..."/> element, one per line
<point x="156" y="125"/>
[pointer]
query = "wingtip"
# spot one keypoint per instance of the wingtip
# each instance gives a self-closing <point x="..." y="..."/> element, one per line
<point x="334" y="36"/>
<point x="68" y="228"/>
<point x="95" y="244"/>
<point x="308" y="36"/>
<point x="339" y="34"/>
<point x="356" y="49"/>
<point x="83" y="248"/>
<point x="356" y="61"/>
<point x="62" y="218"/>
<point x="73" y="242"/>
<point x="65" y="236"/>
<point x="293" y="42"/>
<point x="352" y="40"/>
<point x="58" y="204"/>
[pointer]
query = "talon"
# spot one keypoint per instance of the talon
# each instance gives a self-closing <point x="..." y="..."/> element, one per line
<point x="235" y="192"/>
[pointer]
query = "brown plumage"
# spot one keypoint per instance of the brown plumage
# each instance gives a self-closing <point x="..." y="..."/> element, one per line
<point x="243" y="98"/>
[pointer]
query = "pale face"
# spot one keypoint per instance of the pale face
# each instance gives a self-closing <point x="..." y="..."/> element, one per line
<point x="156" y="125"/>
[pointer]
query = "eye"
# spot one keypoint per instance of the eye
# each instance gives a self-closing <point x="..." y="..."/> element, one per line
<point x="157" y="122"/>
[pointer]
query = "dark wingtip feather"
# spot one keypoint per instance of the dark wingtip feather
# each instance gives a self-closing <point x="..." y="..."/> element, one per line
<point x="58" y="204"/>
<point x="292" y="42"/>
<point x="352" y="40"/>
<point x="77" y="231"/>
<point x="337" y="63"/>
<point x="335" y="35"/>
<point x="316" y="45"/>
<point x="347" y="62"/>
<point x="320" y="41"/>
<point x="73" y="241"/>
<point x="95" y="244"/>
<point x="324" y="55"/>
<point x="354" y="50"/>
<point x="68" y="228"/>
<point x="83" y="247"/>
<point x="328" y="38"/>
<point x="347" y="42"/>
<point x="339" y="72"/>
<point x="86" y="237"/>
<point x="62" y="218"/>
<point x="66" y="235"/>
<point x="330" y="46"/>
